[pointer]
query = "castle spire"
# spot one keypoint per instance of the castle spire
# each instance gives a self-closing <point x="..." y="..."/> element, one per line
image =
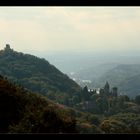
<point x="107" y="88"/>
<point x="107" y="85"/>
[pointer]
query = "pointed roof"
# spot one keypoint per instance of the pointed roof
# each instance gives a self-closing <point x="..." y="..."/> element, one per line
<point x="106" y="85"/>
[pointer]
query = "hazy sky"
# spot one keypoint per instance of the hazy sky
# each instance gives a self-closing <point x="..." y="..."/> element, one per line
<point x="79" y="29"/>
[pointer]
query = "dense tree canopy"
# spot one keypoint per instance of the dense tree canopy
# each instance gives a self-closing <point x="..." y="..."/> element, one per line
<point x="36" y="74"/>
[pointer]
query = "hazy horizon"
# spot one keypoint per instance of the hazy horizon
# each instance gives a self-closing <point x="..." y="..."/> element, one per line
<point x="50" y="30"/>
<point x="81" y="36"/>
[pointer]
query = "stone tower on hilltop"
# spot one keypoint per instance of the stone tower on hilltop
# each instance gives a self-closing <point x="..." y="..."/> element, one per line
<point x="7" y="48"/>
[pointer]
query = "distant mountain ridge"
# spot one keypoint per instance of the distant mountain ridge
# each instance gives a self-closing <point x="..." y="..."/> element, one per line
<point x="125" y="77"/>
<point x="35" y="74"/>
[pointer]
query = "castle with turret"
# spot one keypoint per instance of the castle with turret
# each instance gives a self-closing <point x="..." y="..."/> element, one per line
<point x="105" y="91"/>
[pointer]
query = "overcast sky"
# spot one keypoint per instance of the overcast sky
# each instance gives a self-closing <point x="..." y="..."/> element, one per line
<point x="79" y="29"/>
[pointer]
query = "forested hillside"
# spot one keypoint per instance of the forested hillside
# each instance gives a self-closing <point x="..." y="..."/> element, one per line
<point x="36" y="74"/>
<point x="38" y="98"/>
<point x="22" y="111"/>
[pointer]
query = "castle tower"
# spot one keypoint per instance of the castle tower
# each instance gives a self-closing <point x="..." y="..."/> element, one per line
<point x="7" y="49"/>
<point x="8" y="46"/>
<point x="114" y="92"/>
<point x="107" y="88"/>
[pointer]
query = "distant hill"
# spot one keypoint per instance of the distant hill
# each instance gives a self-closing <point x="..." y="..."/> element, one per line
<point x="36" y="74"/>
<point x="125" y="77"/>
<point x="92" y="73"/>
<point x="131" y="86"/>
